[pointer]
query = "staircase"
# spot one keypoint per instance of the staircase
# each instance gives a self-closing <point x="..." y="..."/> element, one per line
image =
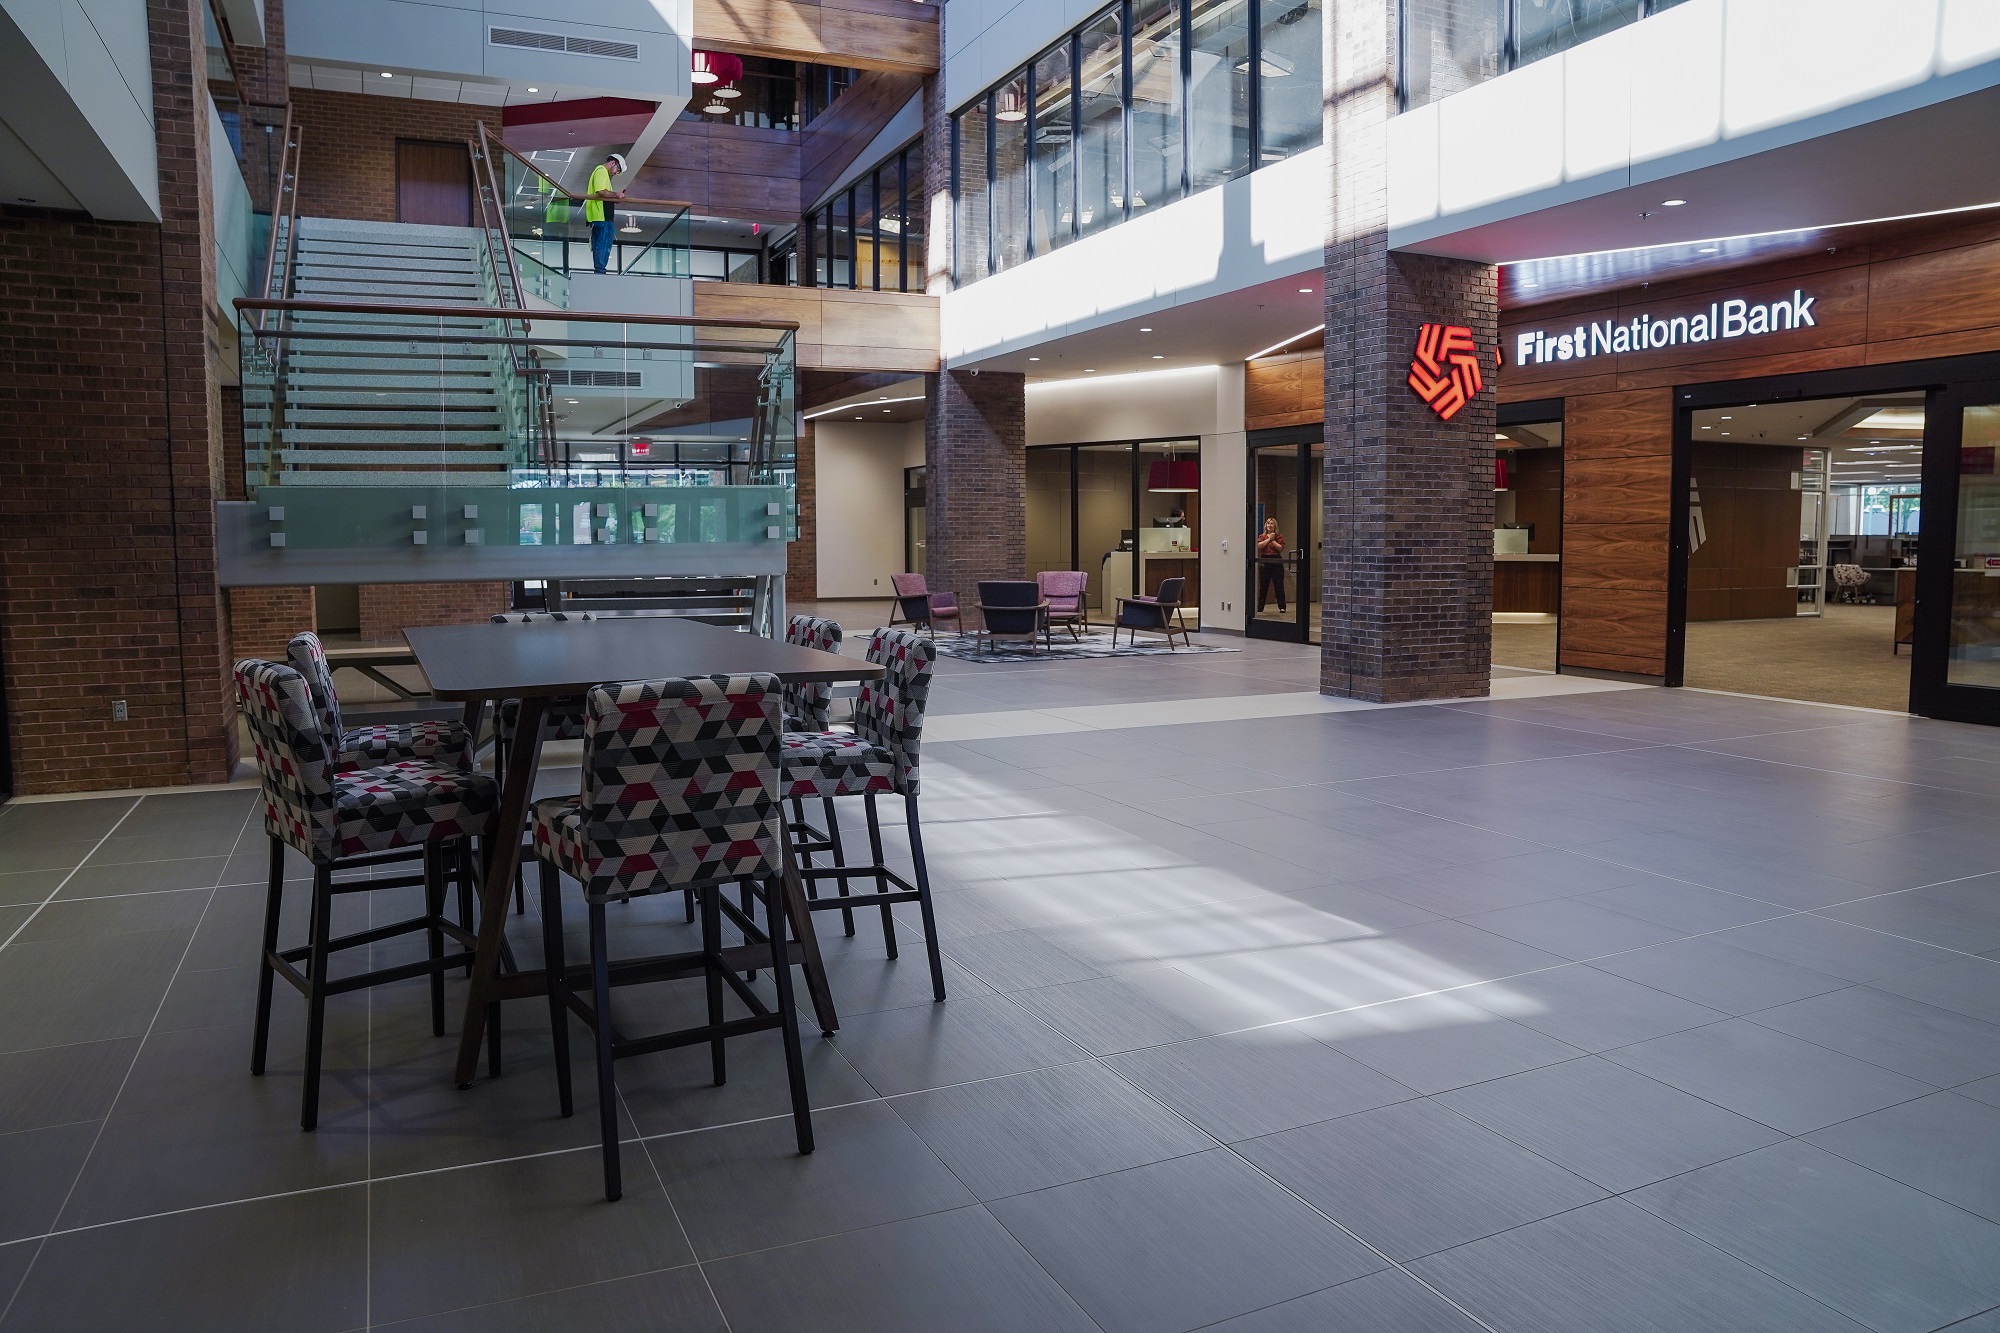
<point x="366" y="399"/>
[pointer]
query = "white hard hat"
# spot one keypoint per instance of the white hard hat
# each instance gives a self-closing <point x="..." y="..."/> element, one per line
<point x="619" y="158"/>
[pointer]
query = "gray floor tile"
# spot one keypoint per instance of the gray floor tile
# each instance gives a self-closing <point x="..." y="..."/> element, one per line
<point x="1145" y="1008"/>
<point x="296" y="1262"/>
<point x="1258" y="1082"/>
<point x="1047" y="1127"/>
<point x="26" y="888"/>
<point x="1989" y="1322"/>
<point x="1969" y="986"/>
<point x="1908" y="1036"/>
<point x="1016" y="960"/>
<point x="25" y="852"/>
<point x="1180" y="1244"/>
<point x="1778" y="1080"/>
<point x="1361" y="911"/>
<point x="103" y="918"/>
<point x="1434" y="1042"/>
<point x="1984" y="1090"/>
<point x="91" y="817"/>
<point x="1589" y="1009"/>
<point x="1414" y="1178"/>
<point x="59" y="992"/>
<point x="203" y="872"/>
<point x="505" y="1230"/>
<point x="1572" y="928"/>
<point x="1877" y="1251"/>
<point x="1944" y="1144"/>
<point x="905" y="1050"/>
<point x="1719" y="975"/>
<point x="1509" y="882"/>
<point x="747" y="1187"/>
<point x="1609" y="1125"/>
<point x="1826" y="945"/>
<point x="1613" y="1266"/>
<point x="675" y="1090"/>
<point x="1963" y="916"/>
<point x="58" y="1085"/>
<point x="1386" y="1302"/>
<point x="674" y="1298"/>
<point x="1684" y="906"/>
<point x="39" y="1165"/>
<point x="958" y="1270"/>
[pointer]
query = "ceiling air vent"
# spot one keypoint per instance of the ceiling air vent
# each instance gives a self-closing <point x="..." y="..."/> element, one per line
<point x="597" y="379"/>
<point x="555" y="41"/>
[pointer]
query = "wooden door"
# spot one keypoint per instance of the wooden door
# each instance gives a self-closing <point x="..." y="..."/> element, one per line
<point x="433" y="183"/>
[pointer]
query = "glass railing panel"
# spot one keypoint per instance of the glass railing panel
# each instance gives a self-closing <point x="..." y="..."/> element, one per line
<point x="549" y="220"/>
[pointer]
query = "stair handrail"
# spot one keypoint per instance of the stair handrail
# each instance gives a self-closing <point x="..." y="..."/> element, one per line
<point x="557" y="187"/>
<point x="284" y="209"/>
<point x="525" y="361"/>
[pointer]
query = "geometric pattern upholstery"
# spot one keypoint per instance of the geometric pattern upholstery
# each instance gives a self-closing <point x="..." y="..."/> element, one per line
<point x="889" y="712"/>
<point x="809" y="707"/>
<point x="680" y="788"/>
<point x="329" y="815"/>
<point x="833" y="763"/>
<point x="564" y="719"/>
<point x="443" y="741"/>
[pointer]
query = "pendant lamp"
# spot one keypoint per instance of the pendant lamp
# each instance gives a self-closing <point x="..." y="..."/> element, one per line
<point x="716" y="67"/>
<point x="1171" y="475"/>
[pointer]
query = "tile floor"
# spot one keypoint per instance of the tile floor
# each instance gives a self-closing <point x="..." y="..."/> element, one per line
<point x="1628" y="1010"/>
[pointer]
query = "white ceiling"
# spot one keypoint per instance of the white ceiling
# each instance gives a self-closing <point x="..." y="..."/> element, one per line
<point x="329" y="78"/>
<point x="1867" y="448"/>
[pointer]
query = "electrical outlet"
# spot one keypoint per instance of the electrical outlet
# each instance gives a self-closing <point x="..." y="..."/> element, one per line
<point x="878" y="583"/>
<point x="119" y="713"/>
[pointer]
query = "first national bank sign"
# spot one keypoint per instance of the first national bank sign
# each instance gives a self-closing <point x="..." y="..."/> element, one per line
<point x="1643" y="333"/>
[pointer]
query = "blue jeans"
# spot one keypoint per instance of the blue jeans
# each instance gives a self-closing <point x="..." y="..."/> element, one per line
<point x="600" y="245"/>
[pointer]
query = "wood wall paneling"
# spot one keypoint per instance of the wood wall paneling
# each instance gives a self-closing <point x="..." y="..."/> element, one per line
<point x="1751" y="517"/>
<point x="860" y="34"/>
<point x="1287" y="390"/>
<point x="838" y="330"/>
<point x="832" y="143"/>
<point x="730" y="171"/>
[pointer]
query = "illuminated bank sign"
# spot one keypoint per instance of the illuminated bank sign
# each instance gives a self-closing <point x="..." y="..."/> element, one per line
<point x="1733" y="318"/>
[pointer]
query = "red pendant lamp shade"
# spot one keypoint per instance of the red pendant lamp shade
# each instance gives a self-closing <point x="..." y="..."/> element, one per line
<point x="1176" y="475"/>
<point x="716" y="67"/>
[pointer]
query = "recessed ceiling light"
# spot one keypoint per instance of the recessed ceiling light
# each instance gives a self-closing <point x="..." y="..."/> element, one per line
<point x="1034" y="358"/>
<point x="1304" y="290"/>
<point x="1708" y="249"/>
<point x="534" y="90"/>
<point x="1805" y="437"/>
<point x="1708" y="428"/>
<point x="1729" y="418"/>
<point x="1672" y="203"/>
<point x="1090" y="372"/>
<point x="1725" y="432"/>
<point x="1145" y="330"/>
<point x="569" y="400"/>
<point x="857" y="418"/>
<point x="1158" y="357"/>
<point x="887" y="409"/>
<point x="387" y="75"/>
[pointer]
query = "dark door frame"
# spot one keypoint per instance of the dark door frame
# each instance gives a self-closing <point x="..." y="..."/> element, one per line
<point x="1536" y="412"/>
<point x="1301" y="438"/>
<point x="1945" y="382"/>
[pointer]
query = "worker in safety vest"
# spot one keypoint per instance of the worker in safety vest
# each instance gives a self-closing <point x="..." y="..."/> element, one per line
<point x="596" y="211"/>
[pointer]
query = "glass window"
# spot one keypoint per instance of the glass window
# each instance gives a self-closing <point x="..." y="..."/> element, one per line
<point x="866" y="276"/>
<point x="1548" y="26"/>
<point x="1289" y="86"/>
<point x="1974" y="651"/>
<point x="840" y="248"/>
<point x="1449" y="48"/>
<point x="916" y="204"/>
<point x="1156" y="103"/>
<point x="1100" y="148"/>
<point x="1010" y="171"/>
<point x="1218" y="92"/>
<point x="969" y="232"/>
<point x="1054" y="159"/>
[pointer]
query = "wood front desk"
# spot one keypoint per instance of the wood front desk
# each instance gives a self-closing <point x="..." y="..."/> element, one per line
<point x="1527" y="583"/>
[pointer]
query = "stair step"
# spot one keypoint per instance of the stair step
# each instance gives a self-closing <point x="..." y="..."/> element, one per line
<point x="346" y="421"/>
<point x="320" y="399"/>
<point x="355" y="228"/>
<point x="498" y="476"/>
<point x="414" y="457"/>
<point x="318" y="261"/>
<point x="330" y="352"/>
<point x="359" y="436"/>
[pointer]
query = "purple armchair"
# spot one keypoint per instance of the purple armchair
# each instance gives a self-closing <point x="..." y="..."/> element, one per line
<point x="1063" y="590"/>
<point x="917" y="605"/>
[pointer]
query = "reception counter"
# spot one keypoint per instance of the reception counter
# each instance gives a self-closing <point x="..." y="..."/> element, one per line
<point x="1527" y="583"/>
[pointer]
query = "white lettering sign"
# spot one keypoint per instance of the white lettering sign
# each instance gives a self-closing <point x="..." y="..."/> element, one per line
<point x="1733" y="318"/>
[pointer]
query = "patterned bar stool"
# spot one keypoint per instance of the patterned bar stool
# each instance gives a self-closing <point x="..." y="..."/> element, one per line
<point x="810" y="708"/>
<point x="680" y="791"/>
<point x="443" y="741"/>
<point x="880" y="756"/>
<point x="345" y="821"/>
<point x="562" y="722"/>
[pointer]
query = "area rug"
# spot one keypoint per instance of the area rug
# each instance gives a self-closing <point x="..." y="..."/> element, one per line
<point x="1097" y="643"/>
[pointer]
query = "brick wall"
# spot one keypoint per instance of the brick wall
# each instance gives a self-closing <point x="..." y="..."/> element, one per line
<point x="975" y="450"/>
<point x="387" y="609"/>
<point x="1406" y="610"/>
<point x="348" y="155"/>
<point x="264" y="71"/>
<point x="107" y="485"/>
<point x="802" y="559"/>
<point x="263" y="620"/>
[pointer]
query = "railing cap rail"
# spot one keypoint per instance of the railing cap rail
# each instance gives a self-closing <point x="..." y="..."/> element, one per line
<point x="513" y="313"/>
<point x="490" y="136"/>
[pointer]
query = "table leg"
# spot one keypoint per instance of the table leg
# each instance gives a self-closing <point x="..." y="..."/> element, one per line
<point x="503" y="857"/>
<point x="802" y="925"/>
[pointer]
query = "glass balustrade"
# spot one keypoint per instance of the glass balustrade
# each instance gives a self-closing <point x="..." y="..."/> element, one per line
<point x="544" y="208"/>
<point x="1450" y="45"/>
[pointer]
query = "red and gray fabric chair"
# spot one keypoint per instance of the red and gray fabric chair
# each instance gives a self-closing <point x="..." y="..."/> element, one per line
<point x="562" y="722"/>
<point x="809" y="707"/>
<point x="681" y="790"/>
<point x="1160" y="613"/>
<point x="918" y="606"/>
<point x="443" y="741"/>
<point x="1063" y="590"/>
<point x="878" y="758"/>
<point x="350" y="820"/>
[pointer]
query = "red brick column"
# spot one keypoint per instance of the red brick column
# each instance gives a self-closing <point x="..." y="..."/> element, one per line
<point x="975" y="453"/>
<point x="1407" y="565"/>
<point x="802" y="557"/>
<point x="263" y="620"/>
<point x="387" y="609"/>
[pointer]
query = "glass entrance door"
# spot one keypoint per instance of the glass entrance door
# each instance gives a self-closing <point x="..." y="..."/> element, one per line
<point x="1283" y="538"/>
<point x="1956" y="673"/>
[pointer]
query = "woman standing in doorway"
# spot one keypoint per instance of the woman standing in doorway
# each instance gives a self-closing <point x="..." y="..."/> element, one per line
<point x="1270" y="564"/>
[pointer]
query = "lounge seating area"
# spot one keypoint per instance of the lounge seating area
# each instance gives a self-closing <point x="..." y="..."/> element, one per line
<point x="1027" y="612"/>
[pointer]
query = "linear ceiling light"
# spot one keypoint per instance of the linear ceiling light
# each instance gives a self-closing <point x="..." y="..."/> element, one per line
<point x="1287" y="342"/>
<point x="849" y="407"/>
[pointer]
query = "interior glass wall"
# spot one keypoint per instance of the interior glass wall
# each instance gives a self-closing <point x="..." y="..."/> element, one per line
<point x="885" y="242"/>
<point x="1219" y="65"/>
<point x="1010" y="172"/>
<point x="1973" y="656"/>
<point x="1128" y="515"/>
<point x="1157" y="168"/>
<point x="1527" y="543"/>
<point x="1055" y="150"/>
<point x="1100" y="148"/>
<point x="1290" y="89"/>
<point x="1450" y="45"/>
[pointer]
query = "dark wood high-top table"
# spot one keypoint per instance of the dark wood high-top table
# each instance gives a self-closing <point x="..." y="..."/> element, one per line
<point x="550" y="659"/>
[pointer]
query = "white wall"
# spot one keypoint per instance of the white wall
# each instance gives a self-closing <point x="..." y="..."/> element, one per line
<point x="1269" y="224"/>
<point x="858" y="497"/>
<point x="1705" y="83"/>
<point x="76" y="107"/>
<point x="1204" y="402"/>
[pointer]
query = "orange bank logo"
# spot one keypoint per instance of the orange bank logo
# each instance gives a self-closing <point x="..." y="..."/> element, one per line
<point x="1445" y="370"/>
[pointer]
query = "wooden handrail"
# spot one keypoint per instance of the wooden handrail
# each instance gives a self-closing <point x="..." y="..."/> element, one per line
<point x="507" y="313"/>
<point x="508" y="149"/>
<point x="289" y="157"/>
